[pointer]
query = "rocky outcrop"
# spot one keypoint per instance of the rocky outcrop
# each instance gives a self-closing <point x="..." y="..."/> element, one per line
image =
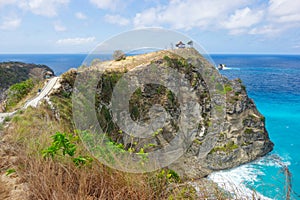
<point x="230" y="130"/>
<point x="15" y="72"/>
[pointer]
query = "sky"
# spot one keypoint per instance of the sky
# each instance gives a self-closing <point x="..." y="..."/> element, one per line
<point x="220" y="26"/>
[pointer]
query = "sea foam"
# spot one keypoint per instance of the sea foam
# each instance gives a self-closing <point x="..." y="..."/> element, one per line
<point x="234" y="180"/>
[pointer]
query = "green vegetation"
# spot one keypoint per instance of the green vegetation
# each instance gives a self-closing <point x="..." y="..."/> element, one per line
<point x="16" y="72"/>
<point x="62" y="164"/>
<point x="18" y="91"/>
<point x="187" y="192"/>
<point x="243" y="87"/>
<point x="63" y="106"/>
<point x="219" y="87"/>
<point x="159" y="131"/>
<point x="170" y="175"/>
<point x="213" y="78"/>
<point x="160" y="89"/>
<point x="10" y="171"/>
<point x="222" y="135"/>
<point x="105" y="120"/>
<point x="248" y="131"/>
<point x="246" y="143"/>
<point x="219" y="108"/>
<point x="178" y="63"/>
<point x="138" y="92"/>
<point x="229" y="147"/>
<point x="208" y="123"/>
<point x="227" y="88"/>
<point x="109" y="80"/>
<point x="7" y="119"/>
<point x="197" y="141"/>
<point x="171" y="97"/>
<point x="65" y="144"/>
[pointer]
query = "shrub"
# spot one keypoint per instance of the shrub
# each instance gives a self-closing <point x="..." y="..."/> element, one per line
<point x="227" y="88"/>
<point x="18" y="91"/>
<point x="119" y="55"/>
<point x="229" y="147"/>
<point x="65" y="144"/>
<point x="248" y="130"/>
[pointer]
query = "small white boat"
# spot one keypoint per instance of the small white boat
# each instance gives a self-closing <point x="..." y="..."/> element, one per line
<point x="221" y="66"/>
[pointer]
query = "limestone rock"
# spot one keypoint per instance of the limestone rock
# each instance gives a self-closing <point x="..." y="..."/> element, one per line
<point x="238" y="136"/>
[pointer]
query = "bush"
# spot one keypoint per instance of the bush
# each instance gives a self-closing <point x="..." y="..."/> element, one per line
<point x="119" y="55"/>
<point x="66" y="144"/>
<point x="227" y="88"/>
<point x="18" y="91"/>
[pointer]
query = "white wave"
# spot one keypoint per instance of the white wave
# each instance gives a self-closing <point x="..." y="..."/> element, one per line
<point x="233" y="180"/>
<point x="274" y="160"/>
<point x="231" y="68"/>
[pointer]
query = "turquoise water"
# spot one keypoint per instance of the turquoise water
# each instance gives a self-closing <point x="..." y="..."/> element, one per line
<point x="273" y="81"/>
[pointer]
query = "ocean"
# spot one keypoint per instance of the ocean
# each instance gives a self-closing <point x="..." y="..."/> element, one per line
<point x="273" y="81"/>
<point x="59" y="63"/>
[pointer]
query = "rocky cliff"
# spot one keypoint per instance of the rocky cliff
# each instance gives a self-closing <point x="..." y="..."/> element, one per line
<point x="15" y="72"/>
<point x="230" y="130"/>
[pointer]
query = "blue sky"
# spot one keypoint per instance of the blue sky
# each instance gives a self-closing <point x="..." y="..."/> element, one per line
<point x="220" y="26"/>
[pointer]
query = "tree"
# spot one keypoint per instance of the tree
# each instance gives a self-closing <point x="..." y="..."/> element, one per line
<point x="190" y="43"/>
<point x="119" y="55"/>
<point x="95" y="61"/>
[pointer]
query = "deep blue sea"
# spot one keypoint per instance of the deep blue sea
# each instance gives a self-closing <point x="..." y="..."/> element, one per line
<point x="273" y="81"/>
<point x="60" y="63"/>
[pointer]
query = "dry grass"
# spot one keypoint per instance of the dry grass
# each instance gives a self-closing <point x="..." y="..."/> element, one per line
<point x="49" y="179"/>
<point x="60" y="178"/>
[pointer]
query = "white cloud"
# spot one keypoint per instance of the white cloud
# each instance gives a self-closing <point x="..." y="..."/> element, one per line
<point x="265" y="30"/>
<point x="46" y="8"/>
<point x="59" y="27"/>
<point x="6" y="2"/>
<point x="188" y="14"/>
<point x="75" y="41"/>
<point x="80" y="15"/>
<point x="116" y="19"/>
<point x="284" y="10"/>
<point x="147" y="18"/>
<point x="243" y="18"/>
<point x="106" y="4"/>
<point x="236" y="16"/>
<point x="10" y="23"/>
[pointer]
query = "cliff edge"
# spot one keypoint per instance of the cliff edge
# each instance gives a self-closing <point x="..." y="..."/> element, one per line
<point x="241" y="136"/>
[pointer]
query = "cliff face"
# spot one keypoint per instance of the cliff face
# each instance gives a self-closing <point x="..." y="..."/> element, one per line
<point x="236" y="136"/>
<point x="15" y="72"/>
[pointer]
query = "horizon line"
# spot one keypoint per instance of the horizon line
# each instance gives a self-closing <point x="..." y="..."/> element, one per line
<point x="86" y="53"/>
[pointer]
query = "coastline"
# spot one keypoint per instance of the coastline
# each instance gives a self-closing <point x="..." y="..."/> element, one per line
<point x="241" y="181"/>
